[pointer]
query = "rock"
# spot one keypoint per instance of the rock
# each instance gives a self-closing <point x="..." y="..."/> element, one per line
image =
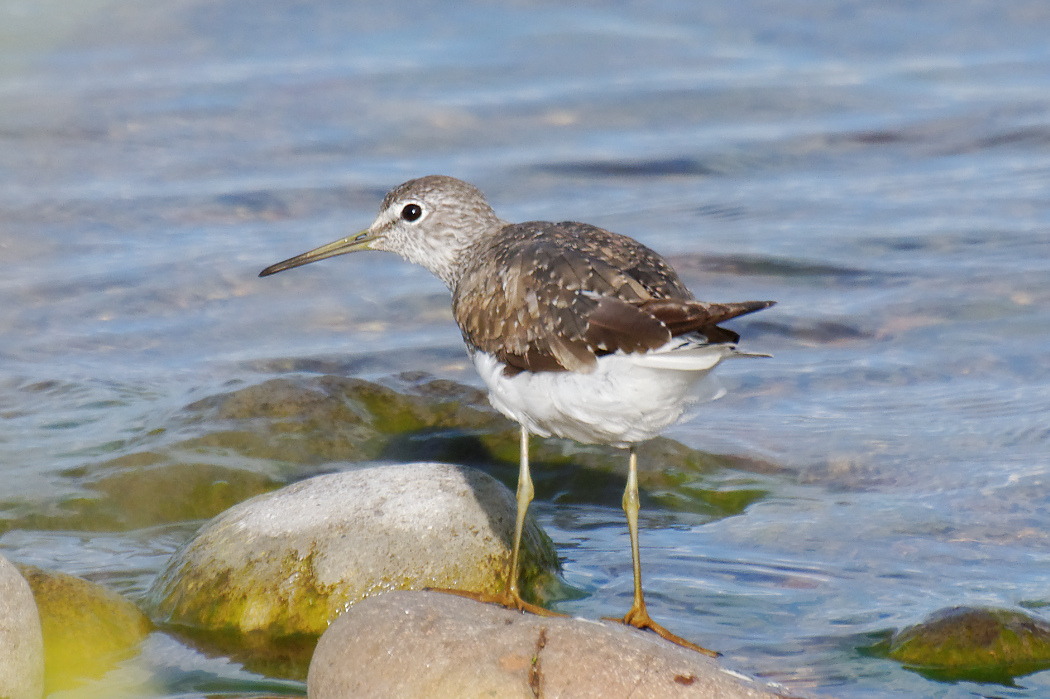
<point x="972" y="643"/>
<point x="21" y="643"/>
<point x="435" y="646"/>
<point x="282" y="420"/>
<point x="87" y="629"/>
<point x="287" y="563"/>
<point x="121" y="494"/>
<point x="329" y="418"/>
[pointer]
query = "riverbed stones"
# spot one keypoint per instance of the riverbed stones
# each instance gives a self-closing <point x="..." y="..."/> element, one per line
<point x="21" y="643"/>
<point x="289" y="562"/>
<point x="428" y="645"/>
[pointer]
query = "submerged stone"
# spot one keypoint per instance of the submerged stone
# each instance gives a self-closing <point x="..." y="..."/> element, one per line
<point x="973" y="643"/>
<point x="305" y="422"/>
<point x="191" y="491"/>
<point x="282" y="566"/>
<point x="21" y="642"/>
<point x="87" y="629"/>
<point x="121" y="494"/>
<point x="254" y="439"/>
<point x="327" y="418"/>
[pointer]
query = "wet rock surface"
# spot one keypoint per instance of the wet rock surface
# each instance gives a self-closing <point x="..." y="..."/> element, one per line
<point x="21" y="642"/>
<point x="436" y="646"/>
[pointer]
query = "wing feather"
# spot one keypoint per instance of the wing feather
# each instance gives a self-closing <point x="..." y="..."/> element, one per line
<point x="546" y="297"/>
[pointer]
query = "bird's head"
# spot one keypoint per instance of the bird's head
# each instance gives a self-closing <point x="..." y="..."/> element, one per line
<point x="430" y="221"/>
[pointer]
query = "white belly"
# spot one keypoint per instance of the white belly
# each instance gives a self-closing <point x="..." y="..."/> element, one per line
<point x="628" y="398"/>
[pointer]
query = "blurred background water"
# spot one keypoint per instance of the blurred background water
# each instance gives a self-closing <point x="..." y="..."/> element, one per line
<point x="881" y="169"/>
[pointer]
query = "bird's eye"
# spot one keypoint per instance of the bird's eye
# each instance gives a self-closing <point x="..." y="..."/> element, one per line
<point x="411" y="212"/>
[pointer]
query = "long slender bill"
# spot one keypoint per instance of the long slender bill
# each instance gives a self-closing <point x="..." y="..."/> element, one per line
<point x="353" y="243"/>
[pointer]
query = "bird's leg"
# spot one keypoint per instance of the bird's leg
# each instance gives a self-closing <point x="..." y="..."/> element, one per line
<point x="638" y="616"/>
<point x="511" y="597"/>
<point x="525" y="494"/>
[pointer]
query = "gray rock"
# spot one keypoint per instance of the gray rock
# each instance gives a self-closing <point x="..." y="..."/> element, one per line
<point x="21" y="644"/>
<point x="290" y="561"/>
<point x="429" y="645"/>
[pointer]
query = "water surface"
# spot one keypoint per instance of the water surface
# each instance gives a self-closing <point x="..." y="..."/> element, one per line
<point x="882" y="170"/>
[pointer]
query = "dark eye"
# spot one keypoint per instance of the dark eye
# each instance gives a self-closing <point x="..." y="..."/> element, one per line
<point x="411" y="212"/>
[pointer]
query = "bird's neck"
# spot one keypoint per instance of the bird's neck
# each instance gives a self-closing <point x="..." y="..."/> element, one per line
<point x="452" y="260"/>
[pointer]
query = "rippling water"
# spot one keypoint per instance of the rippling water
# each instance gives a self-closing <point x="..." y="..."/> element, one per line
<point x="881" y="169"/>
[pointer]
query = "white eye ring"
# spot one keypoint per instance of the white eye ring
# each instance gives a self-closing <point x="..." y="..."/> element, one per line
<point x="411" y="212"/>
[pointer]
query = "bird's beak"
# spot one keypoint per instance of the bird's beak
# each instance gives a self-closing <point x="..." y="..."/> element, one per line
<point x="353" y="243"/>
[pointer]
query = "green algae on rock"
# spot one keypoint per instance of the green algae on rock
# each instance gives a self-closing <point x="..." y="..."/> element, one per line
<point x="974" y="643"/>
<point x="87" y="629"/>
<point x="287" y="563"/>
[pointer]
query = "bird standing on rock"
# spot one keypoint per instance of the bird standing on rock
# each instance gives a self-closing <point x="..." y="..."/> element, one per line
<point x="576" y="331"/>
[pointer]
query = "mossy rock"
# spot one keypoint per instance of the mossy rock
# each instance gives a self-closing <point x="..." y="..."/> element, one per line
<point x="122" y="493"/>
<point x="330" y="418"/>
<point x="282" y="420"/>
<point x="972" y="643"/>
<point x="277" y="569"/>
<point x="87" y="629"/>
<point x="191" y="491"/>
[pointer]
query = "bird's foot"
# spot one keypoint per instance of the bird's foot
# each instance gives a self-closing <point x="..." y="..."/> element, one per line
<point x="639" y="618"/>
<point x="508" y="599"/>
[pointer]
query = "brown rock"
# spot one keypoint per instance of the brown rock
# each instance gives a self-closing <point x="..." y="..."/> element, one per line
<point x="436" y="646"/>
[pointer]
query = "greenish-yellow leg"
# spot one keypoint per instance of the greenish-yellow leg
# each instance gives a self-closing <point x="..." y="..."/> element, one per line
<point x="511" y="597"/>
<point x="638" y="616"/>
<point x="525" y="495"/>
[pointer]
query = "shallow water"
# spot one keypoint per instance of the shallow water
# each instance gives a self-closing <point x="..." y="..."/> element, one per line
<point x="881" y="170"/>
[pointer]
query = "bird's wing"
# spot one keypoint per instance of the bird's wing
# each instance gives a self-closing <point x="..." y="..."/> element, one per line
<point x="554" y="297"/>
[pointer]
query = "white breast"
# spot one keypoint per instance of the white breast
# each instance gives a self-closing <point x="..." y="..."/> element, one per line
<point x="628" y="398"/>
